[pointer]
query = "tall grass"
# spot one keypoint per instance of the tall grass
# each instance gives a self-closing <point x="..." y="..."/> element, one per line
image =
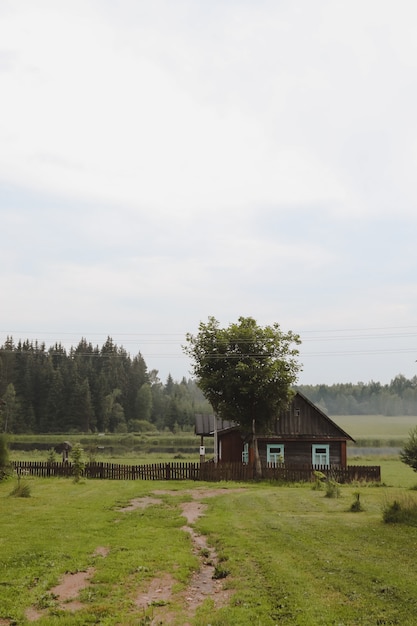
<point x="400" y="509"/>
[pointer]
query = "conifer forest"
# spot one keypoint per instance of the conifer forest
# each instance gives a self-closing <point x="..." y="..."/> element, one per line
<point x="104" y="389"/>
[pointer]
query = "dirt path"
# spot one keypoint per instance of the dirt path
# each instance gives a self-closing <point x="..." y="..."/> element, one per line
<point x="203" y="584"/>
<point x="159" y="593"/>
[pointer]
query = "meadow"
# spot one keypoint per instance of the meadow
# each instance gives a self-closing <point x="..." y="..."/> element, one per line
<point x="377" y="429"/>
<point x="289" y="554"/>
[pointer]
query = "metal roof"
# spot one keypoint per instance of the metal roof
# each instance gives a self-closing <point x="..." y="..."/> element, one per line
<point x="204" y="424"/>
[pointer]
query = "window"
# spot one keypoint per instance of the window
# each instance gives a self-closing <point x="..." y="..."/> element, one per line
<point x="274" y="453"/>
<point x="245" y="453"/>
<point x="297" y="412"/>
<point x="321" y="454"/>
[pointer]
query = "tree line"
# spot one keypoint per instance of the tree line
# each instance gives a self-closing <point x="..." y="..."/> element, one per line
<point x="399" y="397"/>
<point x="89" y="389"/>
<point x="104" y="389"/>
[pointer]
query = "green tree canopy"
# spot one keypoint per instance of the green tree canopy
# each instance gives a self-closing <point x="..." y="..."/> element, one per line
<point x="245" y="371"/>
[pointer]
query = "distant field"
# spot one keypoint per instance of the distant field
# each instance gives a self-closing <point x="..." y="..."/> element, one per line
<point x="377" y="426"/>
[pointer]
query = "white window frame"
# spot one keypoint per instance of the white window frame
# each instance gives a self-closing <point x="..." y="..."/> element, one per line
<point x="275" y="457"/>
<point x="245" y="454"/>
<point x="320" y="454"/>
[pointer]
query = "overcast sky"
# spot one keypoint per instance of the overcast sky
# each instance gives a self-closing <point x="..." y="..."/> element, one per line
<point x="162" y="162"/>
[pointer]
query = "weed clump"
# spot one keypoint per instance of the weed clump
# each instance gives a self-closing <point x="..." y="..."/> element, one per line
<point x="220" y="572"/>
<point x="402" y="510"/>
<point x="21" y="490"/>
<point x="356" y="505"/>
<point x="332" y="489"/>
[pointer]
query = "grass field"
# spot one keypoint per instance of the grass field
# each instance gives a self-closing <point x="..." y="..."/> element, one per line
<point x="293" y="555"/>
<point x="377" y="427"/>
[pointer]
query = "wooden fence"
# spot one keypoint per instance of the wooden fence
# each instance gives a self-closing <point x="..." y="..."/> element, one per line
<point x="201" y="471"/>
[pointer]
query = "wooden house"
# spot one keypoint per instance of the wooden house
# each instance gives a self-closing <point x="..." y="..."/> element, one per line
<point x="301" y="435"/>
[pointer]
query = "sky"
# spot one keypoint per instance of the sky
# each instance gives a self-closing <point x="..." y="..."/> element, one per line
<point x="162" y="162"/>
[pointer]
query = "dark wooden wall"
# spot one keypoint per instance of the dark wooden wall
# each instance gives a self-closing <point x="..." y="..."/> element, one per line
<point x="231" y="447"/>
<point x="300" y="452"/>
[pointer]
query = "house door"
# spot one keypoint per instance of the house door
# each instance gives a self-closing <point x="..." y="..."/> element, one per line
<point x="321" y="454"/>
<point x="274" y="453"/>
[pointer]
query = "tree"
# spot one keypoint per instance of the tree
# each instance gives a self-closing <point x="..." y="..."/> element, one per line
<point x="245" y="371"/>
<point x="143" y="403"/>
<point x="114" y="416"/>
<point x="4" y="457"/>
<point x="408" y="454"/>
<point x="10" y="409"/>
<point x="78" y="463"/>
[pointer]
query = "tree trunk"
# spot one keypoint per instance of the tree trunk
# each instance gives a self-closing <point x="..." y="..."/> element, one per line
<point x="258" y="466"/>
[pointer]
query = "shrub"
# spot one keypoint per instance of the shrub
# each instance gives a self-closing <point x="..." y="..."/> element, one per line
<point x="319" y="479"/>
<point x="78" y="463"/>
<point x="51" y="458"/>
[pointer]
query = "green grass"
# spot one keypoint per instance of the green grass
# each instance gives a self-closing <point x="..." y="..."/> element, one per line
<point x="130" y="448"/>
<point x="59" y="527"/>
<point x="293" y="555"/>
<point x="299" y="558"/>
<point x="128" y="458"/>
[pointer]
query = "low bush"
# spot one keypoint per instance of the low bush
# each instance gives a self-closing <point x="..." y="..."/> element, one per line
<point x="319" y="480"/>
<point x="332" y="489"/>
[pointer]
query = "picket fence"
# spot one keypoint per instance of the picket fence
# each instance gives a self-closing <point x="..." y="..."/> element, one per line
<point x="200" y="471"/>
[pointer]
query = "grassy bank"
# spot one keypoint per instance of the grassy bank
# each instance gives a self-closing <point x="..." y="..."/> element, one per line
<point x="129" y="448"/>
<point x="292" y="555"/>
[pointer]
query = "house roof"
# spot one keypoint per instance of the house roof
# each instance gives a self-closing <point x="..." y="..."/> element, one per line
<point x="284" y="424"/>
<point x="325" y="417"/>
<point x="204" y="424"/>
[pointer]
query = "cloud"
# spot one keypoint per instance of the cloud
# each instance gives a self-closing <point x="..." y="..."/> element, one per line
<point x="162" y="162"/>
<point x="142" y="116"/>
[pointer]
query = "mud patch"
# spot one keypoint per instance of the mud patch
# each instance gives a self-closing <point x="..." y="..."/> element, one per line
<point x="159" y="592"/>
<point x="139" y="503"/>
<point x="192" y="511"/>
<point x="101" y="551"/>
<point x="66" y="593"/>
<point x="199" y="494"/>
<point x="69" y="588"/>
